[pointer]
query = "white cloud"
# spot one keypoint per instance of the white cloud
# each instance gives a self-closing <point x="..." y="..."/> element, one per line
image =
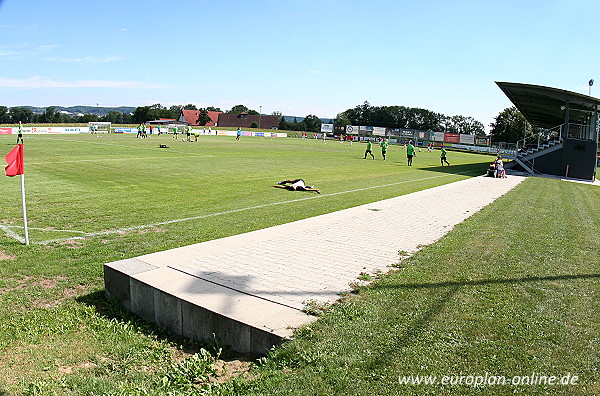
<point x="86" y="59"/>
<point x="42" y="82"/>
<point x="47" y="47"/>
<point x="124" y="29"/>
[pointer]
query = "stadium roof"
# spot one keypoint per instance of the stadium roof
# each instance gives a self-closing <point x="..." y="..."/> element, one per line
<point x="541" y="105"/>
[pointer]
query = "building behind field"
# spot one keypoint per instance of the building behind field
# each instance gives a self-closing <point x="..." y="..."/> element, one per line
<point x="191" y="117"/>
<point x="246" y="120"/>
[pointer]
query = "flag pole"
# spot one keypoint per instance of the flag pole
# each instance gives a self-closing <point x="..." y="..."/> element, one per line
<point x="24" y="209"/>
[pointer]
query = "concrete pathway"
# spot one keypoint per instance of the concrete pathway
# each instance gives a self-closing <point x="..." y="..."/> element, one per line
<point x="250" y="289"/>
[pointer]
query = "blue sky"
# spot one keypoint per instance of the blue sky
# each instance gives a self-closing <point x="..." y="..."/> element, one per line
<point x="299" y="58"/>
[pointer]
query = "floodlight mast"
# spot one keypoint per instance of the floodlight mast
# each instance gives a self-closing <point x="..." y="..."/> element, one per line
<point x="591" y="82"/>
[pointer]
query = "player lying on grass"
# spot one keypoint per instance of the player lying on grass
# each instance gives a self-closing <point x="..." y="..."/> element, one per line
<point x="296" y="185"/>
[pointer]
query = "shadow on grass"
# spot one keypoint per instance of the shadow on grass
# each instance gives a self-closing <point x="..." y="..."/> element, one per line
<point x="444" y="292"/>
<point x="476" y="169"/>
<point x="113" y="310"/>
<point x="490" y="281"/>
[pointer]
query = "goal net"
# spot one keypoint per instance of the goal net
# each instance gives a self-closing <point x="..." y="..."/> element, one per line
<point x="99" y="127"/>
<point x="178" y="128"/>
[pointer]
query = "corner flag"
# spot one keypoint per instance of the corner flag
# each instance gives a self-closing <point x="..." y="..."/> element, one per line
<point x="14" y="159"/>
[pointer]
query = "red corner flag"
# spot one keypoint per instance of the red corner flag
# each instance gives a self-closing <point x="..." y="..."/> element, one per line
<point x="14" y="159"/>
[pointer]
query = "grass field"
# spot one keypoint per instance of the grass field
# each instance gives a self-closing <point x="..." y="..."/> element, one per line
<point x="96" y="199"/>
<point x="120" y="197"/>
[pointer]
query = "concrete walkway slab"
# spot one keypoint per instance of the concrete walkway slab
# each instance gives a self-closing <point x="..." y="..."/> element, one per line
<point x="250" y="289"/>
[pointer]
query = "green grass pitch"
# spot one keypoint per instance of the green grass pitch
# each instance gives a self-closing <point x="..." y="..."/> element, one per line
<point x="511" y="291"/>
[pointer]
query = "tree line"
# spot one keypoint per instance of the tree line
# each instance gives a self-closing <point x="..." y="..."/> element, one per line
<point x="408" y="118"/>
<point x="509" y="126"/>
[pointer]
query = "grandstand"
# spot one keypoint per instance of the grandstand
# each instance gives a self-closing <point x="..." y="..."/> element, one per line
<point x="567" y="144"/>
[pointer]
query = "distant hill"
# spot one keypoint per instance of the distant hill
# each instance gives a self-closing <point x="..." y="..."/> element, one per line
<point x="74" y="110"/>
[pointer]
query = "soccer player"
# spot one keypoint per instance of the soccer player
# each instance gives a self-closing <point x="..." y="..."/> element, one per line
<point x="296" y="185"/>
<point x="368" y="150"/>
<point x="443" y="157"/>
<point x="20" y="135"/>
<point x="384" y="146"/>
<point x="238" y="134"/>
<point x="410" y="152"/>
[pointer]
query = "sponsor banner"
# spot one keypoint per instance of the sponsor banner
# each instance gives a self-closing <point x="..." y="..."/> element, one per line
<point x="365" y="129"/>
<point x="436" y="136"/>
<point x="452" y="137"/>
<point x="125" y="130"/>
<point x="6" y="131"/>
<point x="379" y="131"/>
<point x="409" y="133"/>
<point x="351" y="129"/>
<point x="467" y="139"/>
<point x="475" y="148"/>
<point x="482" y="141"/>
<point x="422" y="135"/>
<point x="42" y="130"/>
<point x="327" y="128"/>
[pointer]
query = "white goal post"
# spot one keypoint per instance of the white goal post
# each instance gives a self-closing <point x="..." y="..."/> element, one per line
<point x="176" y="127"/>
<point x="99" y="127"/>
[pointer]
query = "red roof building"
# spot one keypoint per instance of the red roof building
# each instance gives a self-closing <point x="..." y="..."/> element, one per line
<point x="191" y="117"/>
<point x="245" y="120"/>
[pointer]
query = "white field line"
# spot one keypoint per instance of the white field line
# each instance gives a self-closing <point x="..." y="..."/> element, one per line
<point x="45" y="229"/>
<point x="140" y="227"/>
<point x="12" y="234"/>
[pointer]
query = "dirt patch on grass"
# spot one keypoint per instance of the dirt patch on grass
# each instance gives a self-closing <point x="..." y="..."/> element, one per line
<point x="228" y="370"/>
<point x="5" y="256"/>
<point x="152" y="229"/>
<point x="67" y="294"/>
<point x="64" y="370"/>
<point x="72" y="243"/>
<point x="21" y="284"/>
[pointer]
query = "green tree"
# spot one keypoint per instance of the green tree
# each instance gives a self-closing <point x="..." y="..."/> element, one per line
<point x="4" y="115"/>
<point x="254" y="124"/>
<point x="313" y="123"/>
<point x="342" y="119"/>
<point x="141" y="114"/>
<point x="238" y="109"/>
<point x="22" y="114"/>
<point x="283" y="124"/>
<point x="211" y="108"/>
<point x="190" y="107"/>
<point x="203" y="117"/>
<point x="116" y="117"/>
<point x="50" y="116"/>
<point x="90" y="118"/>
<point x="173" y="112"/>
<point x="510" y="126"/>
